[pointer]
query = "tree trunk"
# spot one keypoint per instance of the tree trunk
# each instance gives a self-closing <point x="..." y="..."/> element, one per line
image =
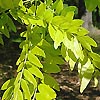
<point x="88" y="24"/>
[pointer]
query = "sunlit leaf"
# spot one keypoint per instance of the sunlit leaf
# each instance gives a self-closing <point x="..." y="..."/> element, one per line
<point x="78" y="49"/>
<point x="40" y="10"/>
<point x="32" y="9"/>
<point x="20" y="95"/>
<point x="37" y="22"/>
<point x="58" y="39"/>
<point x="58" y="20"/>
<point x="18" y="78"/>
<point x="52" y="31"/>
<point x="34" y="70"/>
<point x="77" y="22"/>
<point x="7" y="84"/>
<point x="7" y="93"/>
<point x="59" y="6"/>
<point x="33" y="59"/>
<point x="46" y="91"/>
<point x="86" y="77"/>
<point x="72" y="64"/>
<point x="85" y="66"/>
<point x="48" y="15"/>
<point x="82" y="31"/>
<point x="70" y="16"/>
<point x="69" y="43"/>
<point x="16" y="88"/>
<point x="25" y="89"/>
<point x="20" y="67"/>
<point x="30" y="77"/>
<point x="38" y="51"/>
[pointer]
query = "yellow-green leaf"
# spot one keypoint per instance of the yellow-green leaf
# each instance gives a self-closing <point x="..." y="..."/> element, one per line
<point x="18" y="78"/>
<point x="30" y="77"/>
<point x="40" y="10"/>
<point x="34" y="70"/>
<point x="8" y="83"/>
<point x="48" y="15"/>
<point x="25" y="89"/>
<point x="20" y="67"/>
<point x="7" y="93"/>
<point x="46" y="91"/>
<point x="20" y="95"/>
<point x="37" y="51"/>
<point x="58" y="39"/>
<point x="33" y="59"/>
<point x="52" y="31"/>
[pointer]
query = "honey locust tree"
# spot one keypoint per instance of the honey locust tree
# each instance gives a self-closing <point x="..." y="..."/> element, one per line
<point x="52" y="36"/>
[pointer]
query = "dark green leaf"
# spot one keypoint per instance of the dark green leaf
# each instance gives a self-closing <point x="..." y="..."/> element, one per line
<point x="48" y="2"/>
<point x="68" y="9"/>
<point x="51" y="82"/>
<point x="90" y="41"/>
<point x="7" y="5"/>
<point x="96" y="64"/>
<point x="94" y="56"/>
<point x="51" y="68"/>
<point x="1" y="40"/>
<point x="11" y="24"/>
<point x="84" y="43"/>
<point x="6" y="32"/>
<point x="91" y="4"/>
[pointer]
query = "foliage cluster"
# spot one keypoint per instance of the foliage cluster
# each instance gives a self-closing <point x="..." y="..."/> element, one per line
<point x="52" y="36"/>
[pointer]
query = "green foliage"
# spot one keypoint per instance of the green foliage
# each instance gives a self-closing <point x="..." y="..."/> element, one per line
<point x="92" y="4"/>
<point x="52" y="36"/>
